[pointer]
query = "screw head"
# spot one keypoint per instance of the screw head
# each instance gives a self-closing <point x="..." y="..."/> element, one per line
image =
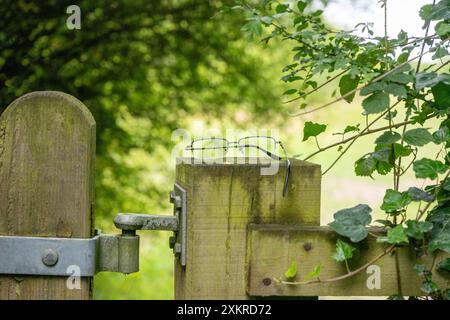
<point x="267" y="282"/>
<point x="307" y="246"/>
<point x="50" y="257"/>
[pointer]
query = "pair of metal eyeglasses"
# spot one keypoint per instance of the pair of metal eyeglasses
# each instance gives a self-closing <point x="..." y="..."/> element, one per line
<point x="213" y="148"/>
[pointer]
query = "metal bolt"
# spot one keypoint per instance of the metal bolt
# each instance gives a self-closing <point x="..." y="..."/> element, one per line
<point x="307" y="246"/>
<point x="177" y="248"/>
<point x="172" y="241"/>
<point x="177" y="202"/>
<point x="172" y="196"/>
<point x="267" y="282"/>
<point x="49" y="257"/>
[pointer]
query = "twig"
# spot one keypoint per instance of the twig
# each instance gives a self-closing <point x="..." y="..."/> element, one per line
<point x="319" y="87"/>
<point x="345" y="276"/>
<point x="382" y="76"/>
<point x="364" y="133"/>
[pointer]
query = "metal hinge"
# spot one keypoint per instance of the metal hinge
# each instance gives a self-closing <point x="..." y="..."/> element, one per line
<point x="59" y="256"/>
<point x="130" y="222"/>
<point x="103" y="252"/>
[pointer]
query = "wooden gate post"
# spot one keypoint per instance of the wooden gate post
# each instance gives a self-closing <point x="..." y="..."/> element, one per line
<point x="47" y="153"/>
<point x="222" y="200"/>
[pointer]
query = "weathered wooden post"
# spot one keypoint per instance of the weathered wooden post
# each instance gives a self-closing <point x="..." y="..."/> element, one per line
<point x="47" y="150"/>
<point x="242" y="234"/>
<point x="222" y="201"/>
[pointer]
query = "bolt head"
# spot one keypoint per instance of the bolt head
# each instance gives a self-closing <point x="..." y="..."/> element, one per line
<point x="307" y="246"/>
<point x="177" y="248"/>
<point x="50" y="257"/>
<point x="172" y="241"/>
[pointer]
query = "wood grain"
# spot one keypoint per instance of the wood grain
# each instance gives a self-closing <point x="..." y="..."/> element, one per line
<point x="47" y="150"/>
<point x="222" y="199"/>
<point x="272" y="248"/>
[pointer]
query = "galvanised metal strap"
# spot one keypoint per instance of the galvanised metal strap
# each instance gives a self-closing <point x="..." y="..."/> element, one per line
<point x="59" y="256"/>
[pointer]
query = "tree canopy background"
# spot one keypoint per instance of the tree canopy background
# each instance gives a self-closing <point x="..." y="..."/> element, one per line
<point x="143" y="68"/>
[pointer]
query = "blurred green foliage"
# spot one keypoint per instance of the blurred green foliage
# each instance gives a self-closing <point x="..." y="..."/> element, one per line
<point x="143" y="68"/>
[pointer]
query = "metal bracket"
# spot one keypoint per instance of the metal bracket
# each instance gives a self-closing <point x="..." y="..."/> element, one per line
<point x="64" y="256"/>
<point x="129" y="223"/>
<point x="117" y="253"/>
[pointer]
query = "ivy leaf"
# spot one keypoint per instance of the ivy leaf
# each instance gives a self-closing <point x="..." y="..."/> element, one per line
<point x="441" y="242"/>
<point x="428" y="287"/>
<point x="388" y="137"/>
<point x="347" y="84"/>
<point x="416" y="229"/>
<point x="291" y="272"/>
<point x="417" y="137"/>
<point x="417" y="194"/>
<point x="343" y="252"/>
<point x="394" y="200"/>
<point x="376" y="103"/>
<point x="440" y="234"/>
<point x="352" y="222"/>
<point x="442" y="29"/>
<point x="427" y="168"/>
<point x="401" y="151"/>
<point x="312" y="129"/>
<point x="444" y="265"/>
<point x="397" y="235"/>
<point x="441" y="94"/>
<point x="439" y="11"/>
<point x="316" y="272"/>
<point x="442" y="135"/>
<point x="281" y="8"/>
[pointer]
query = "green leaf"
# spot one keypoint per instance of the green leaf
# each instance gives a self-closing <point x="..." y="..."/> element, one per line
<point x="442" y="135"/>
<point x="316" y="272"/>
<point x="430" y="79"/>
<point x="388" y="137"/>
<point x="394" y="200"/>
<point x="416" y="229"/>
<point x="376" y="103"/>
<point x="386" y="223"/>
<point x="440" y="242"/>
<point x="371" y="88"/>
<point x="397" y="235"/>
<point x="417" y="137"/>
<point x="396" y="89"/>
<point x="417" y="194"/>
<point x="401" y="151"/>
<point x="427" y="168"/>
<point x="351" y="128"/>
<point x="442" y="29"/>
<point x="403" y="57"/>
<point x="440" y="53"/>
<point x="444" y="265"/>
<point x="403" y="78"/>
<point x="312" y="129"/>
<point x="422" y="270"/>
<point x="343" y="252"/>
<point x="290" y="91"/>
<point x="440" y="234"/>
<point x="347" y="84"/>
<point x="252" y="28"/>
<point x="439" y="11"/>
<point x="281" y="8"/>
<point x="291" y="272"/>
<point x="429" y="287"/>
<point x="352" y="222"/>
<point x="301" y="6"/>
<point x="364" y="167"/>
<point x="441" y="94"/>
